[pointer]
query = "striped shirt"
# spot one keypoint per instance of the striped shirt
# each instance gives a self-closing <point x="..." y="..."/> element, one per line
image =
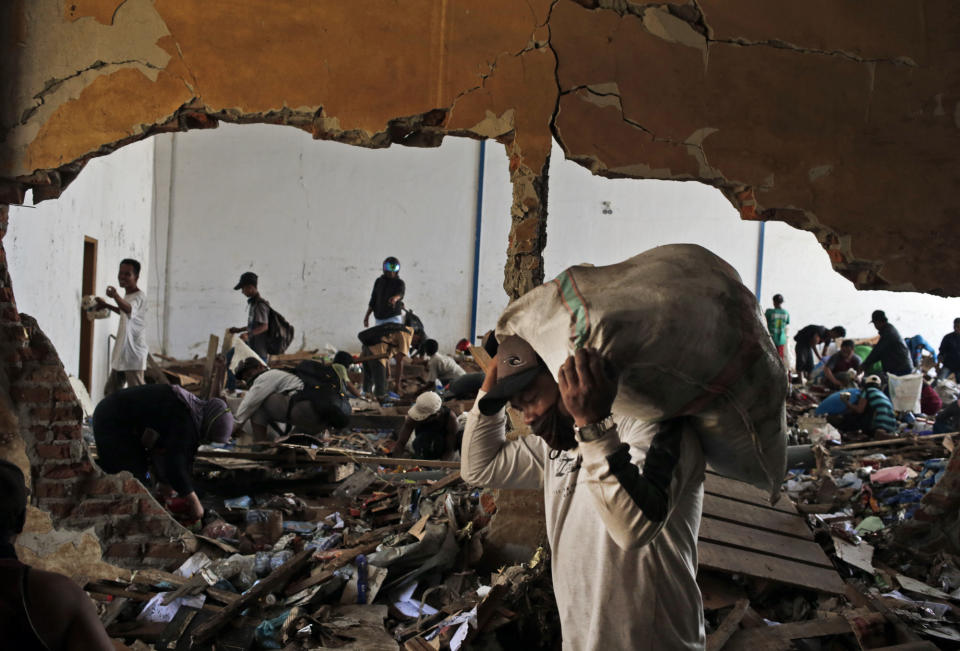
<point x="882" y="410"/>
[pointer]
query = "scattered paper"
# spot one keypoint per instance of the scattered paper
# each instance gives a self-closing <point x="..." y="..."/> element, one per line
<point x="860" y="556"/>
<point x="919" y="587"/>
<point x="192" y="565"/>
<point x="410" y="607"/>
<point x="155" y="611"/>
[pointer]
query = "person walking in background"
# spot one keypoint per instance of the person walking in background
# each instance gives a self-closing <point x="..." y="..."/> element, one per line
<point x="386" y="299"/>
<point x="890" y="351"/>
<point x="258" y="315"/>
<point x="950" y="352"/>
<point x="129" y="358"/>
<point x="777" y="321"/>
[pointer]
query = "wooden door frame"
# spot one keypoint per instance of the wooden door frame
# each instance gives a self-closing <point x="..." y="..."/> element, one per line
<point x="88" y="285"/>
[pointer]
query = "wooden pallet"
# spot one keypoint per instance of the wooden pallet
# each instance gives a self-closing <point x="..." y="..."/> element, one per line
<point x="741" y="533"/>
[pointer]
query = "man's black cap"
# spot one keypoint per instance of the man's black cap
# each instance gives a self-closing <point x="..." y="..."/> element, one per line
<point x="878" y="315"/>
<point x="517" y="366"/>
<point x="247" y="278"/>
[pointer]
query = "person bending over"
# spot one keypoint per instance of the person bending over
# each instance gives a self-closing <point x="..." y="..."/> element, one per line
<point x="157" y="428"/>
<point x="434" y="429"/>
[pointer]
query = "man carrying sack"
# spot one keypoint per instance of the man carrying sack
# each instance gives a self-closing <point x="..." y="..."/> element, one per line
<point x="622" y="497"/>
<point x="620" y="455"/>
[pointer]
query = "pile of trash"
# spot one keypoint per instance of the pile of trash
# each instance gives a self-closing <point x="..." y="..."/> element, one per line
<point x="883" y="510"/>
<point x="385" y="559"/>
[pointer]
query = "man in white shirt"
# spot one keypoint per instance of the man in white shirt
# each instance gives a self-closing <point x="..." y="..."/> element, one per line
<point x="268" y="400"/>
<point x="440" y="366"/>
<point x="623" y="540"/>
<point x="129" y="358"/>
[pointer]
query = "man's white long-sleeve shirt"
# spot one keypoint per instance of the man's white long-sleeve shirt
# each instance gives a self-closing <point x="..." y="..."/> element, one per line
<point x="267" y="383"/>
<point x="621" y="580"/>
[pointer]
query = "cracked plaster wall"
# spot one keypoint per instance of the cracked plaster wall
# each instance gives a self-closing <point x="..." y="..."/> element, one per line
<point x="833" y="116"/>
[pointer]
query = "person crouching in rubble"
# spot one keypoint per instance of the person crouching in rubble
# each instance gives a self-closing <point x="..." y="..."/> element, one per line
<point x="39" y="611"/>
<point x="268" y="399"/>
<point x="434" y="429"/>
<point x="157" y="428"/>
<point x="872" y="413"/>
<point x="623" y="498"/>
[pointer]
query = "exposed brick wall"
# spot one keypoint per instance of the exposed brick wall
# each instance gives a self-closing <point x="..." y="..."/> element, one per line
<point x="38" y="406"/>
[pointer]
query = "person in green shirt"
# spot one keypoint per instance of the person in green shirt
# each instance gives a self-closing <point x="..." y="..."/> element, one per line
<point x="777" y="320"/>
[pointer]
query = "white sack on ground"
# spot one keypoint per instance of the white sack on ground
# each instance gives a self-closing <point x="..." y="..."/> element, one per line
<point x="687" y="338"/>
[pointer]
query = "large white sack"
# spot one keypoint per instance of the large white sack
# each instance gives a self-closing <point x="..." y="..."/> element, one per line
<point x="905" y="391"/>
<point x="687" y="338"/>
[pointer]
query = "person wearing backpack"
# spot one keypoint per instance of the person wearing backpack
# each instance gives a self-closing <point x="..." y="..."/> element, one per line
<point x="258" y="315"/>
<point x="309" y="398"/>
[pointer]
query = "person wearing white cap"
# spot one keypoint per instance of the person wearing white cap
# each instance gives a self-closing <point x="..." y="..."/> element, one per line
<point x="433" y="426"/>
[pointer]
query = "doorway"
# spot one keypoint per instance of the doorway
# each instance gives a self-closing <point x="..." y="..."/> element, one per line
<point x="87" y="288"/>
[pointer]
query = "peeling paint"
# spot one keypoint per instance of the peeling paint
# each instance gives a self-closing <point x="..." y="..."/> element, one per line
<point x="665" y="25"/>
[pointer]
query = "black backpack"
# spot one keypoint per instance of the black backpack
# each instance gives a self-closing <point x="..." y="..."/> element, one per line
<point x="279" y="333"/>
<point x="324" y="391"/>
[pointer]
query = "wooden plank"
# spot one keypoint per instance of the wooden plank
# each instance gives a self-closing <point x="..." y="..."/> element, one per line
<point x="212" y="345"/>
<point x="481" y="357"/>
<point x="729" y="559"/>
<point x="738" y="490"/>
<point x="325" y="459"/>
<point x="773" y="637"/>
<point x="756" y="516"/>
<point x="904" y="440"/>
<point x="276" y="580"/>
<point x="729" y="626"/>
<point x="720" y="531"/>
<point x="155" y="371"/>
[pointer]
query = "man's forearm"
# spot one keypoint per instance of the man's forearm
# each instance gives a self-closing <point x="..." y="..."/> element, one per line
<point x="488" y="459"/>
<point x="634" y="505"/>
<point x="123" y="306"/>
<point x="259" y="330"/>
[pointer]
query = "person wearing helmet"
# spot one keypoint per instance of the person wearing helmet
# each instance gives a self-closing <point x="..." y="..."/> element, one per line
<point x="157" y="428"/>
<point x="386" y="299"/>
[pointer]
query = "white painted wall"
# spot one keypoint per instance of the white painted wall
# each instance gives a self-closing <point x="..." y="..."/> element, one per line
<point x="315" y="219"/>
<point x="796" y="266"/>
<point x="111" y="201"/>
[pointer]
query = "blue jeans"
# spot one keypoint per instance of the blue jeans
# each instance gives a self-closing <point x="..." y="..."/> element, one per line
<point x="393" y="319"/>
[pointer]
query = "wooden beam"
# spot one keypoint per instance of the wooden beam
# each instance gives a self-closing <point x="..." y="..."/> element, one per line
<point x="729" y="533"/>
<point x="771" y="637"/>
<point x="756" y="516"/>
<point x="481" y="357"/>
<point x="274" y="581"/>
<point x="729" y="626"/>
<point x="744" y="492"/>
<point x="903" y="440"/>
<point x="730" y="559"/>
<point x="155" y="371"/>
<point x="345" y="558"/>
<point x="212" y="345"/>
<point x="326" y="459"/>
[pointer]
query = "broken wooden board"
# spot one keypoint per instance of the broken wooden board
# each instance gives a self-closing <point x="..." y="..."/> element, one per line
<point x="741" y="533"/>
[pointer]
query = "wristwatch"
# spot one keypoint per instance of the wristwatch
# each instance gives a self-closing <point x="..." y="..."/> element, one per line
<point x="593" y="431"/>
